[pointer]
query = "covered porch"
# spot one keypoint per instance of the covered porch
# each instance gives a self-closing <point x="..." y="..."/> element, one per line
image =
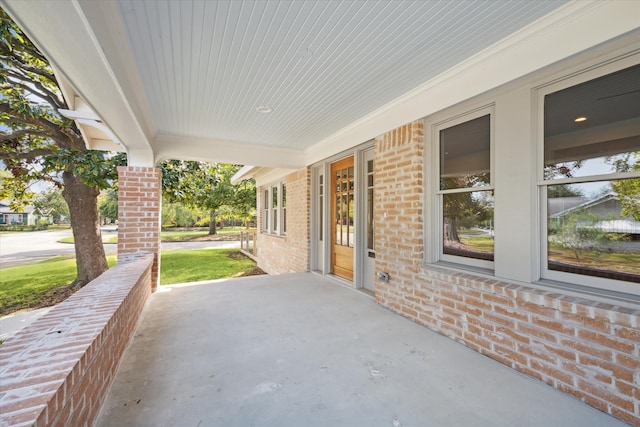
<point x="302" y="349"/>
<point x="288" y="89"/>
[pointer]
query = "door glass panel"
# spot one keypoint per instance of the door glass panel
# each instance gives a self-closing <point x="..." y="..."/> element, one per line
<point x="344" y="221"/>
<point x="350" y="212"/>
<point x="338" y="220"/>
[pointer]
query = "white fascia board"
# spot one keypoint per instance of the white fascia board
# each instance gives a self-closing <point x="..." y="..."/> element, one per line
<point x="214" y="150"/>
<point x="571" y="29"/>
<point x="263" y="176"/>
<point x="245" y="172"/>
<point x="268" y="176"/>
<point x="92" y="78"/>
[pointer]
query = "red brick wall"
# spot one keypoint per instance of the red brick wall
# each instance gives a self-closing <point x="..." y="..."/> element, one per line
<point x="139" y="213"/>
<point x="290" y="253"/>
<point x="399" y="199"/>
<point x="588" y="349"/>
<point x="58" y="370"/>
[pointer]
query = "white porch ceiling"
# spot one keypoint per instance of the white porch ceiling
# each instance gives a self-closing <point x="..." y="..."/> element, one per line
<point x="184" y="78"/>
<point x="207" y="66"/>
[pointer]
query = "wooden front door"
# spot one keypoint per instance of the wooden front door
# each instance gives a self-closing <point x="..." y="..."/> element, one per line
<point x="342" y="216"/>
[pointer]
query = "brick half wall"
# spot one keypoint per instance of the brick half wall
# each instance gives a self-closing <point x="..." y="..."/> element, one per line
<point x="58" y="370"/>
<point x="586" y="348"/>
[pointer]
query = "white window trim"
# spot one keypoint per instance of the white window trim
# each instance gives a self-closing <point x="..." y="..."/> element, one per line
<point x="516" y="125"/>
<point x="539" y="93"/>
<point x="269" y="229"/>
<point x="435" y="252"/>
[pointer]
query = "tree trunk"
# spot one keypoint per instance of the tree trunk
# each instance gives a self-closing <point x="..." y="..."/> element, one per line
<point x="451" y="230"/>
<point x="85" y="223"/>
<point x="212" y="223"/>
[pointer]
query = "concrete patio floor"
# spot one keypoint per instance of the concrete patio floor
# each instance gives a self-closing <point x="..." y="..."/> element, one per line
<point x="302" y="350"/>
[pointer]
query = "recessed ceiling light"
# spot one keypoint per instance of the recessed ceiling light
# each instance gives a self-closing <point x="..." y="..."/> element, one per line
<point x="580" y="119"/>
<point x="263" y="109"/>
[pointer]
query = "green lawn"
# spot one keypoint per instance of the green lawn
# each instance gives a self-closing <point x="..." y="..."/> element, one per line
<point x="202" y="264"/>
<point x="626" y="262"/>
<point x="478" y="244"/>
<point x="178" y="236"/>
<point x="28" y="285"/>
<point x="105" y="239"/>
<point x="43" y="283"/>
<point x="173" y="236"/>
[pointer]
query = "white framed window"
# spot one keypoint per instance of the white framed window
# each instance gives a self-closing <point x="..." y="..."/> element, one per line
<point x="284" y="208"/>
<point x="274" y="204"/>
<point x="274" y="209"/>
<point x="464" y="188"/>
<point x="265" y="211"/>
<point x="589" y="179"/>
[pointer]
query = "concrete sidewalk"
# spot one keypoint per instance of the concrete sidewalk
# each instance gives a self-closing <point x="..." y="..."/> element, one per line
<point x="301" y="350"/>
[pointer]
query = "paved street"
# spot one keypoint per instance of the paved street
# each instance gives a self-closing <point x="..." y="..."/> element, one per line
<point x="24" y="248"/>
<point x="21" y="248"/>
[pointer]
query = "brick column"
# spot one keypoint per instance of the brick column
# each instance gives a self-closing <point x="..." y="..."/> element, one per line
<point x="139" y="213"/>
<point x="399" y="210"/>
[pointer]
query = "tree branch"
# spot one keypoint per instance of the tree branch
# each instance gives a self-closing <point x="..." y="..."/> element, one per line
<point x="29" y="156"/>
<point x="45" y="96"/>
<point x="29" y="48"/>
<point x="53" y="98"/>
<point x="21" y="64"/>
<point x="20" y="133"/>
<point x="53" y="131"/>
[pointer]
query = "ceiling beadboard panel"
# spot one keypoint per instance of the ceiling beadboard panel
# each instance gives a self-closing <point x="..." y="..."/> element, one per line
<point x="319" y="65"/>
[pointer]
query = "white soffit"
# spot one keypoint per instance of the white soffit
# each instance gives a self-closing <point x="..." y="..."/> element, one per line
<point x="320" y="66"/>
<point x="183" y="79"/>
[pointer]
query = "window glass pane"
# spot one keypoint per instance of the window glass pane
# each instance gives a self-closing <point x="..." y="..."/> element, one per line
<point x="265" y="217"/>
<point x="284" y="195"/>
<point x="593" y="128"/>
<point x="370" y="206"/>
<point x="370" y="219"/>
<point x="594" y="229"/>
<point x="274" y="192"/>
<point x="468" y="224"/>
<point x="465" y="157"/>
<point x="284" y="208"/>
<point x="274" y="226"/>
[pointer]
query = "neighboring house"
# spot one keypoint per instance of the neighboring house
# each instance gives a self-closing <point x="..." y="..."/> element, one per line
<point x="373" y="134"/>
<point x="606" y="209"/>
<point x="9" y="216"/>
